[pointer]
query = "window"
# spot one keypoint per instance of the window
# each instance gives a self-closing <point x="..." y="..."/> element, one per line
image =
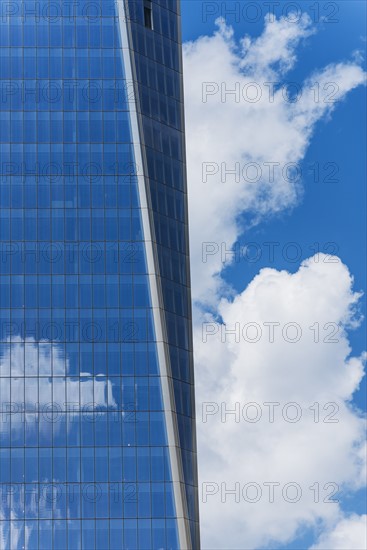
<point x="148" y="14"/>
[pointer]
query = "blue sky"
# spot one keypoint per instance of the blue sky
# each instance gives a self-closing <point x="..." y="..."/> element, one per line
<point x="329" y="213"/>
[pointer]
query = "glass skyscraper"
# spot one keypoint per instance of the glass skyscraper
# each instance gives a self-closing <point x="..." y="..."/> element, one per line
<point x="97" y="434"/>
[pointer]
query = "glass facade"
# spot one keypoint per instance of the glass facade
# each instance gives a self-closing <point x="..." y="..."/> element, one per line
<point x="97" y="435"/>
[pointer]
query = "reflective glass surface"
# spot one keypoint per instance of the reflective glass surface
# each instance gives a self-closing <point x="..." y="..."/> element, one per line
<point x="157" y="59"/>
<point x="84" y="461"/>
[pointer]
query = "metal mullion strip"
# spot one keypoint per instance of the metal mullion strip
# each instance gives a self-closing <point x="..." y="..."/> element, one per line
<point x="166" y="381"/>
<point x="188" y="283"/>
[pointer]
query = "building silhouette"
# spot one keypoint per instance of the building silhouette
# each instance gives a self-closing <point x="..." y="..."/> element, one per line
<point x="97" y="435"/>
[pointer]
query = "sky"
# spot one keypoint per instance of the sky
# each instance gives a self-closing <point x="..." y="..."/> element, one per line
<point x="277" y="201"/>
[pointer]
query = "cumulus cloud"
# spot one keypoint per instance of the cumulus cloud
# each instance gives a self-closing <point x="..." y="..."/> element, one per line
<point x="274" y="52"/>
<point x="348" y="533"/>
<point x="281" y="360"/>
<point x="244" y="116"/>
<point x="277" y="354"/>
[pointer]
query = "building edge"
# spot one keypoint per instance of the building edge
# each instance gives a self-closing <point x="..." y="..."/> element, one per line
<point x="183" y="526"/>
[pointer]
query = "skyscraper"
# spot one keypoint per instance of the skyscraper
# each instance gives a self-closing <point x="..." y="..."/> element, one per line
<point x="97" y="448"/>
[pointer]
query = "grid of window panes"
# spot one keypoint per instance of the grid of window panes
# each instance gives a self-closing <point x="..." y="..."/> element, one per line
<point x="157" y="51"/>
<point x="83" y="447"/>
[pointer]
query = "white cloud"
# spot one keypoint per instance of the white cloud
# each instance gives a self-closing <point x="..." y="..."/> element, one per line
<point x="349" y="533"/>
<point x="236" y="120"/>
<point x="326" y="445"/>
<point x="235" y="128"/>
<point x="274" y="52"/>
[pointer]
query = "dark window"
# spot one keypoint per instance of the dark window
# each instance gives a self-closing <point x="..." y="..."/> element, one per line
<point x="148" y="14"/>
